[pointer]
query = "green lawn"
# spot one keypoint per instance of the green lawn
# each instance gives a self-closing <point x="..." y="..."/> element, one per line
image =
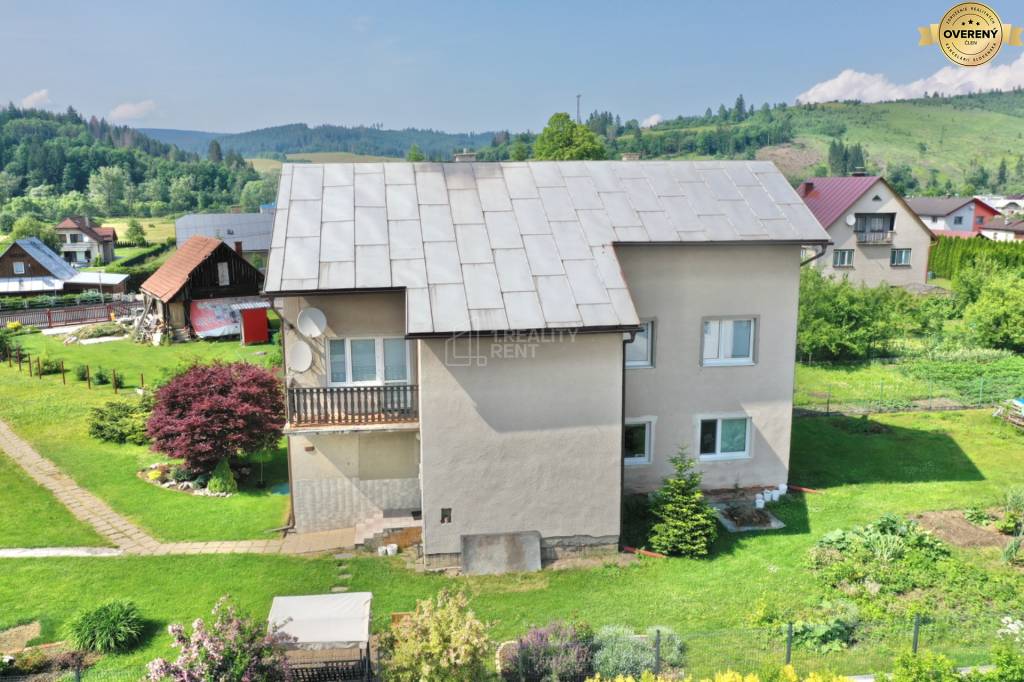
<point x="166" y="590"/>
<point x="33" y="517"/>
<point x="156" y="229"/>
<point x="53" y="417"/>
<point x="911" y="463"/>
<point x="862" y="384"/>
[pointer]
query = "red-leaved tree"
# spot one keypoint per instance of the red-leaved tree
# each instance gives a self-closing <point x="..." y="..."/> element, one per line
<point x="215" y="412"/>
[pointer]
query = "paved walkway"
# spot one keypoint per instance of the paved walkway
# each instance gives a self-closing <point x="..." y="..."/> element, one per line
<point x="127" y="537"/>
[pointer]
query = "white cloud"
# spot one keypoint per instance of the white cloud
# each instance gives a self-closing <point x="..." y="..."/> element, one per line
<point x="36" y="99"/>
<point x="132" y="111"/>
<point x="652" y="120"/>
<point x="950" y="80"/>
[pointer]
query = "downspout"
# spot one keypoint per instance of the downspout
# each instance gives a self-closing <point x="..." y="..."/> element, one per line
<point x="823" y="248"/>
<point x="290" y="525"/>
<point x="622" y="434"/>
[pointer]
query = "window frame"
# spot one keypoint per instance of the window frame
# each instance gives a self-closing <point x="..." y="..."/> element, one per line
<point x="19" y="264"/>
<point x="958" y="220"/>
<point x="378" y="356"/>
<point x="861" y="222"/>
<point x="718" y="455"/>
<point x="648" y="422"/>
<point x="649" y="362"/>
<point x="835" y="252"/>
<point x="892" y="257"/>
<point x="755" y="327"/>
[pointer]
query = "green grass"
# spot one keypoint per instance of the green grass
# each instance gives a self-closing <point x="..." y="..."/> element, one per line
<point x="54" y="419"/>
<point x="156" y="229"/>
<point x="33" y="517"/>
<point x="913" y="462"/>
<point x="166" y="590"/>
<point x="862" y="384"/>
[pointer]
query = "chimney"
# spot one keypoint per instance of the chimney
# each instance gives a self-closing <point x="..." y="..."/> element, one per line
<point x="858" y="172"/>
<point x="805" y="188"/>
<point x="465" y="156"/>
<point x="631" y="156"/>
<point x="238" y="248"/>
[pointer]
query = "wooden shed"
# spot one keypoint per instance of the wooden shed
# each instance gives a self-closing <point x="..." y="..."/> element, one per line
<point x="203" y="270"/>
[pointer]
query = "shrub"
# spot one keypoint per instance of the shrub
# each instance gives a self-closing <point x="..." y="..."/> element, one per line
<point x="672" y="649"/>
<point x="977" y="516"/>
<point x="924" y="667"/>
<point x="81" y="372"/>
<point x="620" y="652"/>
<point x="234" y="648"/>
<point x="832" y="630"/>
<point x="1009" y="524"/>
<point x="442" y="641"/>
<point x="100" y="376"/>
<point x="686" y="522"/>
<point x="1013" y="501"/>
<point x="48" y="365"/>
<point x="556" y="652"/>
<point x="30" y="661"/>
<point x="7" y="344"/>
<point x="113" y="627"/>
<point x="217" y="412"/>
<point x="1012" y="552"/>
<point x="223" y="479"/>
<point x="121" y="421"/>
<point x="996" y="319"/>
<point x="14" y="326"/>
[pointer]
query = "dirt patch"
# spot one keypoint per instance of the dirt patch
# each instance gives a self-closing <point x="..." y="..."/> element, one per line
<point x="936" y="404"/>
<point x="952" y="527"/>
<point x="793" y="159"/>
<point x="18" y="637"/>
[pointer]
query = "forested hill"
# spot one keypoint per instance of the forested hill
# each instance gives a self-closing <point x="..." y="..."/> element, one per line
<point x="299" y="137"/>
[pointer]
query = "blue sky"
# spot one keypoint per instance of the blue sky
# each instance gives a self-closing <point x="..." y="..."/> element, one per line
<point x="454" y="66"/>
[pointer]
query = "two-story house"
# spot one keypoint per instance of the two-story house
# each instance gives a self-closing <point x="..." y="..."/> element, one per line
<point x="82" y="241"/>
<point x="876" y="237"/>
<point x="953" y="214"/>
<point x="487" y="348"/>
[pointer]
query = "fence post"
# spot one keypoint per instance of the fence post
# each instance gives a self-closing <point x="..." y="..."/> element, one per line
<point x="49" y="317"/>
<point x="828" y="401"/>
<point x="789" y="643"/>
<point x="39" y="368"/>
<point x="63" y="380"/>
<point x="78" y="674"/>
<point x="88" y="377"/>
<point x="113" y="379"/>
<point x="917" y="631"/>
<point x="29" y="363"/>
<point x="142" y="380"/>
<point x="981" y="389"/>
<point x="881" y="394"/>
<point x="657" y="651"/>
<point x="19" y="358"/>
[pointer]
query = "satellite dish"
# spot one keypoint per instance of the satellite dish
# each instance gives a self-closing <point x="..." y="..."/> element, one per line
<point x="300" y="356"/>
<point x="851" y="220"/>
<point x="311" y="322"/>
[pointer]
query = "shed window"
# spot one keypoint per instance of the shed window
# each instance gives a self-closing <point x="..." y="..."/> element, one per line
<point x="19" y="267"/>
<point x="223" y="275"/>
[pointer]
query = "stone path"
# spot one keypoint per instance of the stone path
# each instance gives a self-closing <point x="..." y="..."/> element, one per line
<point x="127" y="537"/>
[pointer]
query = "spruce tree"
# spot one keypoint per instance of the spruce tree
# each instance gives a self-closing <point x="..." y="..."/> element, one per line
<point x="686" y="524"/>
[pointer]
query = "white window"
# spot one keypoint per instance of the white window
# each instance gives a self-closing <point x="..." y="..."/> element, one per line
<point x="726" y="437"/>
<point x="368" y="361"/>
<point x="899" y="258"/>
<point x="729" y="341"/>
<point x="19" y="267"/>
<point x="223" y="278"/>
<point x="842" y="258"/>
<point x="640" y="351"/>
<point x="638" y="441"/>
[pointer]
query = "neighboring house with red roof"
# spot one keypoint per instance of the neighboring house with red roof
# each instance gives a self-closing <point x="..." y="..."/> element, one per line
<point x="876" y="237"/>
<point x="1004" y="229"/>
<point x="81" y="240"/>
<point x="953" y="214"/>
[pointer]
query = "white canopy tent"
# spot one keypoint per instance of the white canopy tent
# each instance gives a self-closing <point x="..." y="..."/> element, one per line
<point x="321" y="622"/>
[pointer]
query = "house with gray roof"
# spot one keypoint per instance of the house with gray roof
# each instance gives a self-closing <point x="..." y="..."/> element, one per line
<point x="247" y="233"/>
<point x="28" y="267"/>
<point x="505" y="349"/>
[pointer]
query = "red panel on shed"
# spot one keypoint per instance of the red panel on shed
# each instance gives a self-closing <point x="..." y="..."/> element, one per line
<point x="254" y="326"/>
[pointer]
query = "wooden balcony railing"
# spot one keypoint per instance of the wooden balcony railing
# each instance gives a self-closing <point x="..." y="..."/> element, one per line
<point x="353" y="405"/>
<point x="874" y="237"/>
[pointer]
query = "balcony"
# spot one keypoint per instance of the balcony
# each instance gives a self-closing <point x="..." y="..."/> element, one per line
<point x="874" y="236"/>
<point x="353" y="408"/>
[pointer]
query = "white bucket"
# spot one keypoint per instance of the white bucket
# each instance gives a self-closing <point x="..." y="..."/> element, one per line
<point x="758" y="502"/>
<point x="382" y="551"/>
<point x="775" y="496"/>
<point x="783" y="488"/>
<point x="392" y="549"/>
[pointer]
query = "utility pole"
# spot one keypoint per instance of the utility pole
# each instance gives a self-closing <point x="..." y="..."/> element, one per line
<point x="578" y="109"/>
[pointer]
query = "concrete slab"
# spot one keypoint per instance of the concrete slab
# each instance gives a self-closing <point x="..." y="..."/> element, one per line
<point x="489" y="554"/>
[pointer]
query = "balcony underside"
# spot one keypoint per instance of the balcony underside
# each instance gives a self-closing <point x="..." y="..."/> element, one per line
<point x="339" y="409"/>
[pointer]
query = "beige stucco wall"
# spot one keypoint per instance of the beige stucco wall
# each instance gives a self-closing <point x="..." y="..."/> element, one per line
<point x="340" y="479"/>
<point x="530" y="441"/>
<point x="871" y="261"/>
<point x="678" y="287"/>
<point x="348" y="315"/>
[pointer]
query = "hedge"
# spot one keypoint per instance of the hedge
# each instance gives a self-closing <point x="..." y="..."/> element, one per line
<point x="952" y="253"/>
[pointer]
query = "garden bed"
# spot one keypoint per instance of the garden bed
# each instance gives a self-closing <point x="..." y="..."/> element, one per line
<point x="951" y="526"/>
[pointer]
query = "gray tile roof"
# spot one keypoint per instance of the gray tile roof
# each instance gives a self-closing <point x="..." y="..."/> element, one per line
<point x="254" y="230"/>
<point x="514" y="245"/>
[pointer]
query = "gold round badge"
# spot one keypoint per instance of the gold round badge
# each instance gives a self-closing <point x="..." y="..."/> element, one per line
<point x="970" y="34"/>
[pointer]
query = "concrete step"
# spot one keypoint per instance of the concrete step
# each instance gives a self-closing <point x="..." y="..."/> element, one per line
<point x="339" y="588"/>
<point x="375" y="528"/>
<point x="344" y="576"/>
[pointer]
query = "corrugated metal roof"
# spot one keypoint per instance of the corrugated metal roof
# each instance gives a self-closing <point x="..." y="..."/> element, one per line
<point x="520" y="245"/>
<point x="173" y="274"/>
<point x="828" y="198"/>
<point x="30" y="285"/>
<point x="252" y="229"/>
<point x="937" y="206"/>
<point x="98" y="278"/>
<point x="45" y="256"/>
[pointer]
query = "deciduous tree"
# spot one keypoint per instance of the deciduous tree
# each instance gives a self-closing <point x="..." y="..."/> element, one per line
<point x="564" y="139"/>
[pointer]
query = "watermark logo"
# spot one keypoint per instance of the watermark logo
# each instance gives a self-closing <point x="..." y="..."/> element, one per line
<point x="970" y="34"/>
<point x="467" y="349"/>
